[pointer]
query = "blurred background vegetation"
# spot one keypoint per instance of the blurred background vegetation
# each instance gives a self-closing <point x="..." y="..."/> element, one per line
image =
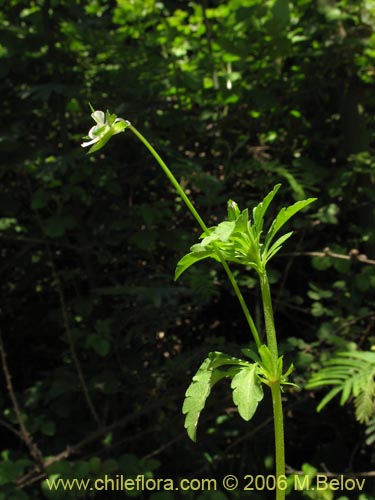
<point x="98" y="340"/>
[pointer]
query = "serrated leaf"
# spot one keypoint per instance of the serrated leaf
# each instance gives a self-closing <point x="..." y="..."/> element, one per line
<point x="206" y="377"/>
<point x="247" y="391"/>
<point x="196" y="396"/>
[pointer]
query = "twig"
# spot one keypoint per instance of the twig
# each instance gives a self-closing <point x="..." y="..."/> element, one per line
<point x="164" y="446"/>
<point x="353" y="255"/>
<point x="11" y="428"/>
<point x="40" y="241"/>
<point x="35" y="475"/>
<point x="70" y="339"/>
<point x="64" y="312"/>
<point x="26" y="437"/>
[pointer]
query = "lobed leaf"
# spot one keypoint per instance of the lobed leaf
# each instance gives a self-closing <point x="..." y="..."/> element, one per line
<point x="247" y="391"/>
<point x="198" y="391"/>
<point x="196" y="396"/>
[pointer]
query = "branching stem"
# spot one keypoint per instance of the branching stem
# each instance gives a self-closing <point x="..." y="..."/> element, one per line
<point x="203" y="226"/>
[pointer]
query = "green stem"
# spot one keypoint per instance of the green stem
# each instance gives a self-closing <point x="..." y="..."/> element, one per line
<point x="275" y="385"/>
<point x="268" y="316"/>
<point x="200" y="221"/>
<point x="171" y="177"/>
<point x="278" y="421"/>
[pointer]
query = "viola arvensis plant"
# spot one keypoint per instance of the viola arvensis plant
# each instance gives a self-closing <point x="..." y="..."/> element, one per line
<point x="241" y="240"/>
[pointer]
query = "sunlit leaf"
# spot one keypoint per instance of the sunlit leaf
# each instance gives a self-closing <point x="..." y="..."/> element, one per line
<point x="247" y="391"/>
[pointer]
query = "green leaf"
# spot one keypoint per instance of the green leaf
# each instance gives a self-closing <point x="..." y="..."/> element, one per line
<point x="40" y="199"/>
<point x="242" y="222"/>
<point x="57" y="225"/>
<point x="221" y="232"/>
<point x="276" y="246"/>
<point x="284" y="215"/>
<point x="99" y="344"/>
<point x="267" y="360"/>
<point x="251" y="354"/>
<point x="280" y="11"/>
<point x="219" y="359"/>
<point x="233" y="210"/>
<point x="364" y="402"/>
<point x="247" y="391"/>
<point x="48" y="428"/>
<point x="327" y="398"/>
<point x="197" y="394"/>
<point x="206" y="377"/>
<point x="351" y="373"/>
<point x="260" y="210"/>
<point x="198" y="253"/>
<point x="7" y="223"/>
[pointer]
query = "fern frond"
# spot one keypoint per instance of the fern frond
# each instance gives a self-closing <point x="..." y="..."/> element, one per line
<point x="370" y="432"/>
<point x="364" y="402"/>
<point x="352" y="374"/>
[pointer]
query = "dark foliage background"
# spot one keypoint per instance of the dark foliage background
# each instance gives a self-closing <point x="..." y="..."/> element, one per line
<point x="100" y="342"/>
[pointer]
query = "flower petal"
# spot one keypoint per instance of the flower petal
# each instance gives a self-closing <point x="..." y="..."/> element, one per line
<point x="99" y="117"/>
<point x="85" y="144"/>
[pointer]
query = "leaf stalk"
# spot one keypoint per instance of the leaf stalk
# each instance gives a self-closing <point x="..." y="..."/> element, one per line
<point x="203" y="226"/>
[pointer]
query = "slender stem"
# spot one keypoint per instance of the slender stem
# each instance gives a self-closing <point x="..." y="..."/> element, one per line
<point x="242" y="302"/>
<point x="278" y="421"/>
<point x="277" y="407"/>
<point x="268" y="315"/>
<point x="200" y="221"/>
<point x="171" y="177"/>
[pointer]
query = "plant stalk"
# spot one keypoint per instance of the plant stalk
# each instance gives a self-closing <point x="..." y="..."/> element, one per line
<point x="278" y="421"/>
<point x="277" y="406"/>
<point x="268" y="315"/>
<point x="200" y="221"/>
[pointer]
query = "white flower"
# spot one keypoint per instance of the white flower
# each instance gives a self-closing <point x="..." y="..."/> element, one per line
<point x="106" y="126"/>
